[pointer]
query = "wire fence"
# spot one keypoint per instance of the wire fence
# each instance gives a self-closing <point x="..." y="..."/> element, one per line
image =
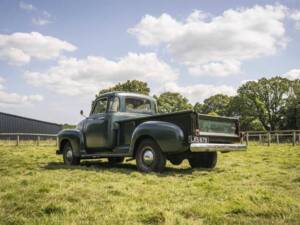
<point x="28" y="139"/>
<point x="273" y="137"/>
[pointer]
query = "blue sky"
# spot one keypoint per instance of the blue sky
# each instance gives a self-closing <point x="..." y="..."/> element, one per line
<point x="55" y="55"/>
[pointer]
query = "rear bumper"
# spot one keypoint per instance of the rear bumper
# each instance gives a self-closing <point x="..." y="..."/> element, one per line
<point x="211" y="147"/>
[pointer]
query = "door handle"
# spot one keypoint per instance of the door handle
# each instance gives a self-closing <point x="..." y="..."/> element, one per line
<point x="96" y="118"/>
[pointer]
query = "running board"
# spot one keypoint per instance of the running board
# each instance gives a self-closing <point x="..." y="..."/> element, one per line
<point x="103" y="155"/>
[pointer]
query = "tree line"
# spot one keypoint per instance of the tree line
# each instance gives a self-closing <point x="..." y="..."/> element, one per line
<point x="265" y="104"/>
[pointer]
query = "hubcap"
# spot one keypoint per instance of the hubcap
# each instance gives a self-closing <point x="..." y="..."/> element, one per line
<point x="148" y="156"/>
<point x="69" y="155"/>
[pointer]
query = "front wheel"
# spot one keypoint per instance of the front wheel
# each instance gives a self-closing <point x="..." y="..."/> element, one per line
<point x="203" y="160"/>
<point x="68" y="155"/>
<point x="149" y="157"/>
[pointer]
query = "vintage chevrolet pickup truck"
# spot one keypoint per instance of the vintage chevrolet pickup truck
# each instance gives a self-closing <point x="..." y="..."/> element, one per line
<point x="127" y="125"/>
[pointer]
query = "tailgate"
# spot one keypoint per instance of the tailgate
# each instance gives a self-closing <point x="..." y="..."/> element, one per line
<point x="218" y="129"/>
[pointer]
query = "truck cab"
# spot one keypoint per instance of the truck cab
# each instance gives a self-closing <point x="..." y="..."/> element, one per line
<point x="99" y="129"/>
<point x="126" y="125"/>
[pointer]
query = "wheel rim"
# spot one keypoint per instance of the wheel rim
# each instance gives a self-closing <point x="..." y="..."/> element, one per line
<point x="148" y="156"/>
<point x="69" y="155"/>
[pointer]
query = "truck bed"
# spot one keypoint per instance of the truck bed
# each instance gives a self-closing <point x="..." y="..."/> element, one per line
<point x="188" y="121"/>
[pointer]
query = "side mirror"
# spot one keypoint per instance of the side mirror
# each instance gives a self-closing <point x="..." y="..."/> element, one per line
<point x="81" y="113"/>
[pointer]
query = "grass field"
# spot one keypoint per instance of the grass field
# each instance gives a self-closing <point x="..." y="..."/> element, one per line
<point x="261" y="186"/>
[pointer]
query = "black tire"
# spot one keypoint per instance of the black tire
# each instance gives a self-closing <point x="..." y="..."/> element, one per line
<point x="115" y="160"/>
<point x="68" y="155"/>
<point x="203" y="160"/>
<point x="149" y="157"/>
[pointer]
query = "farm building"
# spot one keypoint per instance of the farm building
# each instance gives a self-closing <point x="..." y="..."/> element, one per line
<point x="17" y="124"/>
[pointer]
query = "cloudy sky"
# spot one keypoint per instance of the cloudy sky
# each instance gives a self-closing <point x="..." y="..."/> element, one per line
<point x="56" y="55"/>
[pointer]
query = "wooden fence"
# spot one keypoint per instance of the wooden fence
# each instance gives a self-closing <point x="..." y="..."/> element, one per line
<point x="261" y="137"/>
<point x="37" y="138"/>
<point x="276" y="137"/>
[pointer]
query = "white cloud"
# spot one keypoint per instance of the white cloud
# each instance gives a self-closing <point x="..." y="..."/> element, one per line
<point x="40" y="21"/>
<point x="27" y="7"/>
<point x="199" y="92"/>
<point x="208" y="45"/>
<point x="87" y="76"/>
<point x="248" y="80"/>
<point x="220" y="69"/>
<point x="40" y="17"/>
<point x="19" y="48"/>
<point x="293" y="74"/>
<point x="296" y="17"/>
<point x="153" y="31"/>
<point x="14" y="98"/>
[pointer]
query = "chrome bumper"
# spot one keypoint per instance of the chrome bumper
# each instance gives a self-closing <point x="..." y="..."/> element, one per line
<point x="210" y="147"/>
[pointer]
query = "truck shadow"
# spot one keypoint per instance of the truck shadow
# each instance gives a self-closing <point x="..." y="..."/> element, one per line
<point x="126" y="168"/>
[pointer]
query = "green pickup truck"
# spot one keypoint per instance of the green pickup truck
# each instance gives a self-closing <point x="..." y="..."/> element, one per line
<point x="126" y="125"/>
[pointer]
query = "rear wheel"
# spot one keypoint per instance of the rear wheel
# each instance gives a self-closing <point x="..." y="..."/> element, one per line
<point x="68" y="155"/>
<point x="203" y="159"/>
<point x="115" y="160"/>
<point x="149" y="157"/>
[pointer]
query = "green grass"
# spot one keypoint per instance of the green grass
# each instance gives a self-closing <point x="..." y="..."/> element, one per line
<point x="261" y="186"/>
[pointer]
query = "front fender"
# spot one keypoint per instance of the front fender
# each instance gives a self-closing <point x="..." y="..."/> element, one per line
<point x="167" y="135"/>
<point x="75" y="137"/>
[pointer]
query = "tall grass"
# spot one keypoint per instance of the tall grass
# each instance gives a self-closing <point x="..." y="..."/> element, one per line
<point x="261" y="186"/>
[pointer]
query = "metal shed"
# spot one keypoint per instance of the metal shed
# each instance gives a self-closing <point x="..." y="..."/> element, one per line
<point x="17" y="124"/>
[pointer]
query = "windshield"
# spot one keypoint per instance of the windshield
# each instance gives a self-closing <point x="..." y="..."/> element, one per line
<point x="137" y="105"/>
<point x="100" y="106"/>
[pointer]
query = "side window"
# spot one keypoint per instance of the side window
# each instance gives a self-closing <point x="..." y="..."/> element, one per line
<point x="137" y="105"/>
<point x="100" y="106"/>
<point x="115" y="105"/>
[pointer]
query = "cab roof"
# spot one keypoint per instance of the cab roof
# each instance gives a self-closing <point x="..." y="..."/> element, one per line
<point x="124" y="94"/>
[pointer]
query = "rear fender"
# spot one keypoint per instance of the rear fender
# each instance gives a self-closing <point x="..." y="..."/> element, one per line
<point x="167" y="135"/>
<point x="75" y="137"/>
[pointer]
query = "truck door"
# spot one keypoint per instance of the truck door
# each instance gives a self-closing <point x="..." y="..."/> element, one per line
<point x="96" y="127"/>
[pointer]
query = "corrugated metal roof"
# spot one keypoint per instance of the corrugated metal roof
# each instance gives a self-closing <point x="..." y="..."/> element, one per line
<point x="10" y="123"/>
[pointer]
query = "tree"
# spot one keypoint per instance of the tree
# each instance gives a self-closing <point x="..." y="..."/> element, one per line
<point x="238" y="108"/>
<point x="68" y="126"/>
<point x="293" y="107"/>
<point x="198" y="107"/>
<point x="217" y="104"/>
<point x="266" y="100"/>
<point x="172" y="102"/>
<point x="135" y="86"/>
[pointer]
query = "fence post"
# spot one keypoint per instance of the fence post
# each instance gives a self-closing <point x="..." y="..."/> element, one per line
<point x="242" y="137"/>
<point x="38" y="141"/>
<point x="277" y="138"/>
<point x="294" y="138"/>
<point x="259" y="136"/>
<point x="56" y="141"/>
<point x="18" y="140"/>
<point x="247" y="138"/>
<point x="269" y="139"/>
